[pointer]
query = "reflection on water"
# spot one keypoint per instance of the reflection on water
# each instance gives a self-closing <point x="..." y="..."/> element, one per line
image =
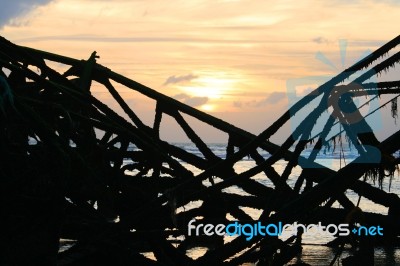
<point x="387" y="256"/>
<point x="313" y="251"/>
<point x="321" y="255"/>
<point x="66" y="244"/>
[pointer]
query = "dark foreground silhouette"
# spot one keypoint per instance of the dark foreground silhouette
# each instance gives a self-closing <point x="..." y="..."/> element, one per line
<point x="73" y="168"/>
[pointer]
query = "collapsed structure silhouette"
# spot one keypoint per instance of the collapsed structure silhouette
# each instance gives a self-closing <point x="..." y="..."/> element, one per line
<point x="73" y="168"/>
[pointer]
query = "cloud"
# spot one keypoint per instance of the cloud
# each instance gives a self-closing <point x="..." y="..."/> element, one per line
<point x="196" y="101"/>
<point x="192" y="101"/>
<point x="181" y="96"/>
<point x="178" y="79"/>
<point x="145" y="39"/>
<point x="320" y="40"/>
<point x="13" y="9"/>
<point x="273" y="98"/>
<point x="391" y="2"/>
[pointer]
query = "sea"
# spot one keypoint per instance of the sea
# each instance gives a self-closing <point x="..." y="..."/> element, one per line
<point x="315" y="251"/>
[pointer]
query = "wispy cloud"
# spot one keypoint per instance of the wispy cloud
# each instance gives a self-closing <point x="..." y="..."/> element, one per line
<point x="196" y="101"/>
<point x="181" y="96"/>
<point x="125" y="39"/>
<point x="320" y="40"/>
<point x="177" y="79"/>
<point x="10" y="10"/>
<point x="192" y="101"/>
<point x="272" y="99"/>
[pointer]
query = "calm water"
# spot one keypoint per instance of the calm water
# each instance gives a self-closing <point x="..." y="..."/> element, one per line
<point x="314" y="252"/>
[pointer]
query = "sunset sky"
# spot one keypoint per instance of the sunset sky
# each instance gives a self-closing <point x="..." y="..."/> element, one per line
<point x="231" y="58"/>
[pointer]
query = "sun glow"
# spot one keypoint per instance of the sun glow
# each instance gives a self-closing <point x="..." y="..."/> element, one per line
<point x="211" y="87"/>
<point x="208" y="107"/>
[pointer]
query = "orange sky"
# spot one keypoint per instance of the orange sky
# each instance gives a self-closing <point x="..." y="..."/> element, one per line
<point x="231" y="58"/>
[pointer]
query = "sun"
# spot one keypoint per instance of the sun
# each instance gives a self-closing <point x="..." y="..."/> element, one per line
<point x="210" y="87"/>
<point x="208" y="107"/>
<point x="215" y="90"/>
